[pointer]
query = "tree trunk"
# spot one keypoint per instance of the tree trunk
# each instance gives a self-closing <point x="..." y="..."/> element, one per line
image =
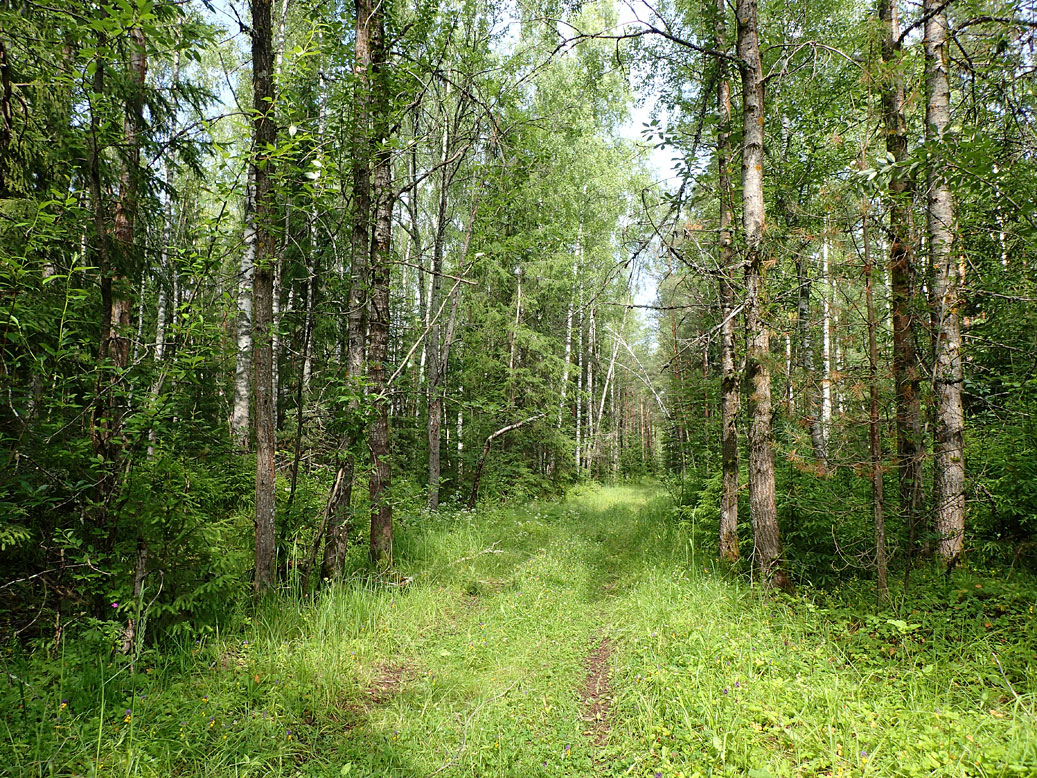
<point x="418" y="252"/>
<point x="806" y="360"/>
<point x="580" y="356"/>
<point x="910" y="446"/>
<point x="826" y="342"/>
<point x="166" y="270"/>
<point x="265" y="133"/>
<point x="381" y="509"/>
<point x="239" y="419"/>
<point x="340" y="498"/>
<point x="767" y="551"/>
<point x="874" y="429"/>
<point x="729" y="378"/>
<point x="126" y="209"/>
<point x="568" y="342"/>
<point x="592" y="340"/>
<point x="275" y="326"/>
<point x="433" y="344"/>
<point x="949" y="448"/>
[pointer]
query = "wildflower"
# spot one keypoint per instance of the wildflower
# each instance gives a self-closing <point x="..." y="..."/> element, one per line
<point x="126" y="718"/>
<point x="725" y="690"/>
<point x="738" y="685"/>
<point x="205" y="700"/>
<point x="64" y="704"/>
<point x="565" y="751"/>
<point x="115" y="605"/>
<point x="289" y="734"/>
<point x="658" y="774"/>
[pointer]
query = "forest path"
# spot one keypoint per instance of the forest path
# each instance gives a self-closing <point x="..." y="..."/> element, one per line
<point x="571" y="638"/>
<point x="496" y="658"/>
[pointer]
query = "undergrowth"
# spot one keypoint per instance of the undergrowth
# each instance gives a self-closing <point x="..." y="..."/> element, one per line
<point x="468" y="661"/>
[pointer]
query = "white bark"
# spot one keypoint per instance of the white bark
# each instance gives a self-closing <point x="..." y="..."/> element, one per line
<point x="239" y="420"/>
<point x="826" y="343"/>
<point x="568" y="340"/>
<point x="591" y="344"/>
<point x="949" y="451"/>
<point x="579" y="381"/>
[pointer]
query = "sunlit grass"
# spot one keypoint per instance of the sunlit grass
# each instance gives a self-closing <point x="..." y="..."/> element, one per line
<point x="473" y="668"/>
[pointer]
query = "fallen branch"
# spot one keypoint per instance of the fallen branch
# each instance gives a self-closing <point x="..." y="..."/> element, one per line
<point x="491" y="550"/>
<point x="486" y="450"/>
<point x="464" y="731"/>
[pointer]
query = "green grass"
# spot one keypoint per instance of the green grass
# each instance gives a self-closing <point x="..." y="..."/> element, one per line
<point x="474" y="669"/>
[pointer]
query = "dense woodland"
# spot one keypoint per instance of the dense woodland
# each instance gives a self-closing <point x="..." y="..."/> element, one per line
<point x="284" y="283"/>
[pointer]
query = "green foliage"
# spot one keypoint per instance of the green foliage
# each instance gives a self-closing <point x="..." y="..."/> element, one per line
<point x="470" y="659"/>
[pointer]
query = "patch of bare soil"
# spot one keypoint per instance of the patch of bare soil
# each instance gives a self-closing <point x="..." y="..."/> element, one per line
<point x="596" y="692"/>
<point x="389" y="679"/>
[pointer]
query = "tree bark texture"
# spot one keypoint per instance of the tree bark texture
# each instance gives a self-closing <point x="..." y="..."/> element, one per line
<point x="239" y="419"/>
<point x="767" y="550"/>
<point x="729" y="384"/>
<point x="874" y="422"/>
<point x="910" y="445"/>
<point x="265" y="137"/>
<point x="949" y="448"/>
<point x="381" y="509"/>
<point x="827" y="294"/>
<point x="340" y="499"/>
<point x="126" y="209"/>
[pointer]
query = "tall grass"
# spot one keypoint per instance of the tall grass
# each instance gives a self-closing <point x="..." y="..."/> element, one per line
<point x="469" y="662"/>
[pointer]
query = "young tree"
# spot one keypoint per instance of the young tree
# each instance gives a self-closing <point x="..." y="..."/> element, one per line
<point x="729" y="394"/>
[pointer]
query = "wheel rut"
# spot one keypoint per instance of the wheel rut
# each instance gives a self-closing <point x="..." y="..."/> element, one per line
<point x="596" y="693"/>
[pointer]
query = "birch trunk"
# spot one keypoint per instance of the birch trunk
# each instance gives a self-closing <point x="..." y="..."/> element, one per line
<point x="239" y="419"/>
<point x="767" y="550"/>
<point x="949" y="448"/>
<point x="826" y="344"/>
<point x="568" y="342"/>
<point x="579" y="383"/>
<point x="729" y="378"/>
<point x="591" y="357"/>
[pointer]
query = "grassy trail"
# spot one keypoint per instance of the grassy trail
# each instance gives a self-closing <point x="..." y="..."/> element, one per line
<point x="560" y="639"/>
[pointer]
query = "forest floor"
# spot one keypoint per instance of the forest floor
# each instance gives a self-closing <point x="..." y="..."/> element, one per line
<point x="582" y="637"/>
